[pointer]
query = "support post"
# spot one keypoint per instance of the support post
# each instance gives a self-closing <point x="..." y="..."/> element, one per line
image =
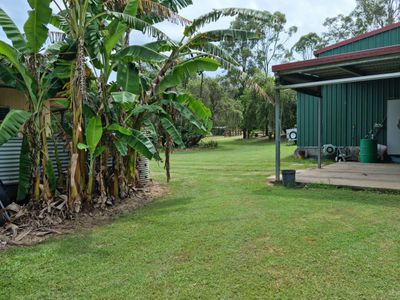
<point x="320" y="133"/>
<point x="277" y="135"/>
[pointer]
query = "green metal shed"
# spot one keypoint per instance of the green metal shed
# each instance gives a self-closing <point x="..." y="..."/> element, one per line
<point x="345" y="91"/>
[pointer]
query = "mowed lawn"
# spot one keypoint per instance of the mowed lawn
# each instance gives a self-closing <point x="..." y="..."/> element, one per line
<point x="223" y="233"/>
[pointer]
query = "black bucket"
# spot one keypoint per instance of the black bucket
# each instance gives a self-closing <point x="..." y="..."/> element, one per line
<point x="4" y="201"/>
<point x="289" y="178"/>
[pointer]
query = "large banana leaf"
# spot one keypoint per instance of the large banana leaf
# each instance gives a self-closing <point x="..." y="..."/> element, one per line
<point x="12" y="124"/>
<point x="176" y="5"/>
<point x="214" y="51"/>
<point x="142" y="144"/>
<point x="136" y="52"/>
<point x="131" y="7"/>
<point x="161" y="46"/>
<point x="13" y="56"/>
<point x="116" y="28"/>
<point x="12" y="32"/>
<point x="125" y="99"/>
<point x="199" y="109"/>
<point x="122" y="146"/>
<point x="189" y="116"/>
<point x="216" y="14"/>
<point x="59" y="22"/>
<point x="226" y="34"/>
<point x="25" y="171"/>
<point x="190" y="108"/>
<point x="172" y="132"/>
<point x="128" y="78"/>
<point x="149" y="108"/>
<point x="150" y="130"/>
<point x="186" y="69"/>
<point x="10" y="77"/>
<point x="120" y="129"/>
<point x="36" y="26"/>
<point x="94" y="132"/>
<point x="140" y="25"/>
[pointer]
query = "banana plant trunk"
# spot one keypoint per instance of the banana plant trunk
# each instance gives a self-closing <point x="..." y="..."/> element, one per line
<point x="77" y="169"/>
<point x="91" y="179"/>
<point x="47" y="194"/>
<point x="76" y="178"/>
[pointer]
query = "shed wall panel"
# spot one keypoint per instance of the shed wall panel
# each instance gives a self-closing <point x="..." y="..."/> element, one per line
<point x="350" y="112"/>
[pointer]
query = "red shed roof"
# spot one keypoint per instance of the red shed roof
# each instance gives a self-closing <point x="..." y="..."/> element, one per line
<point x="357" y="38"/>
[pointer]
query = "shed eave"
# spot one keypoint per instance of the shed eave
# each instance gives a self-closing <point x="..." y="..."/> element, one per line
<point x="309" y="76"/>
<point x="339" y="59"/>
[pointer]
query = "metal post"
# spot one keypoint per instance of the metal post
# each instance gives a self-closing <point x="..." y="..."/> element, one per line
<point x="277" y="135"/>
<point x="320" y="133"/>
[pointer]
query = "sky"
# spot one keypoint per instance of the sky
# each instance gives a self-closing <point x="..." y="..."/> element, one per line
<point x="307" y="15"/>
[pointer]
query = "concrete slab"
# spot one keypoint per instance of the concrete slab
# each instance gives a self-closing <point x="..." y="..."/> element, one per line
<point x="352" y="174"/>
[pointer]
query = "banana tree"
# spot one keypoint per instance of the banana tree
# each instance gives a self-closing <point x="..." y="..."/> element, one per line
<point x="29" y="65"/>
<point x="102" y="41"/>
<point x="156" y="116"/>
<point x="99" y="32"/>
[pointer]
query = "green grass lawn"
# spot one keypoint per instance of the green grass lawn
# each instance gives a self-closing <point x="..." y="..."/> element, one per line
<point x="222" y="233"/>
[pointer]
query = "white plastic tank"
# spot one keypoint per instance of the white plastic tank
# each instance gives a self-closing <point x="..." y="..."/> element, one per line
<point x="144" y="171"/>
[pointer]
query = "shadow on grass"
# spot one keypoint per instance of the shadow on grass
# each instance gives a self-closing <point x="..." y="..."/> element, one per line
<point x="81" y="245"/>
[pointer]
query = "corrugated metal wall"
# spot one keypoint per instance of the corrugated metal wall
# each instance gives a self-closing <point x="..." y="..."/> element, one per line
<point x="9" y="159"/>
<point x="388" y="38"/>
<point x="349" y="112"/>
